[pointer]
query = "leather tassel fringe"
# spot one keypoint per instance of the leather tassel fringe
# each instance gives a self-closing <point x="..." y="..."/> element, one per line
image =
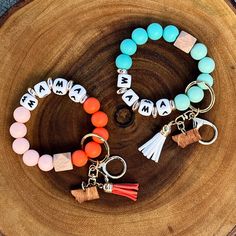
<point x="126" y="190"/>
<point x="152" y="148"/>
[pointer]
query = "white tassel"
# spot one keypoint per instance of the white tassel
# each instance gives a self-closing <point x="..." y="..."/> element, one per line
<point x="152" y="148"/>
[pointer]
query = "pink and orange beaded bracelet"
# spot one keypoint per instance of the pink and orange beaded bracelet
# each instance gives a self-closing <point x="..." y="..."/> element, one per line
<point x="89" y="152"/>
<point x="61" y="161"/>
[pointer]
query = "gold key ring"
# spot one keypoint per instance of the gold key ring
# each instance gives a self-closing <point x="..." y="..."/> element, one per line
<point x="212" y="93"/>
<point x="100" y="138"/>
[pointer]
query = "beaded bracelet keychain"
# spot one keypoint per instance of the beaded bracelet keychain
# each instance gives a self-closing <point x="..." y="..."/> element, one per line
<point x="79" y="158"/>
<point x="193" y="93"/>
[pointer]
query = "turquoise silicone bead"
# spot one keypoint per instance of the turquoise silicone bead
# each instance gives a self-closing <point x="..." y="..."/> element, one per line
<point x="195" y="94"/>
<point x="198" y="51"/>
<point x="128" y="47"/>
<point x="140" y="36"/>
<point x="182" y="102"/>
<point x="206" y="65"/>
<point x="170" y="33"/>
<point x="155" y="31"/>
<point x="123" y="62"/>
<point x="205" y="78"/>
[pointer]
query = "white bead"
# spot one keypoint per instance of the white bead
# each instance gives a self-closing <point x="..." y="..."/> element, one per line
<point x="59" y="86"/>
<point x="163" y="107"/>
<point x="28" y="101"/>
<point x="42" y="89"/>
<point x="124" y="81"/>
<point x="77" y="92"/>
<point x="145" y="107"/>
<point x="130" y="97"/>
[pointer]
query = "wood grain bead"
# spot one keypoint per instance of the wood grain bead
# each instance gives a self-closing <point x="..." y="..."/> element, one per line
<point x="77" y="92"/>
<point x="185" y="41"/>
<point x="59" y="86"/>
<point x="29" y="102"/>
<point x="62" y="162"/>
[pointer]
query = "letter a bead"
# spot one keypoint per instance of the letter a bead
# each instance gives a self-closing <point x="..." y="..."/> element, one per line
<point x="145" y="107"/>
<point x="42" y="89"/>
<point x="77" y="92"/>
<point x="163" y="107"/>
<point x="130" y="97"/>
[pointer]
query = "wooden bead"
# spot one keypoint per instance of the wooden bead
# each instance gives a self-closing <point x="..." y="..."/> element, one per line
<point x="101" y="132"/>
<point x="29" y="102"/>
<point x="99" y="119"/>
<point x="124" y="81"/>
<point x="79" y="158"/>
<point x="185" y="41"/>
<point x="62" y="161"/>
<point x="88" y="194"/>
<point x="130" y="97"/>
<point x="93" y="149"/>
<point x="91" y="105"/>
<point x="77" y="92"/>
<point x="59" y="86"/>
<point x="163" y="107"/>
<point x="42" y="89"/>
<point x="145" y="107"/>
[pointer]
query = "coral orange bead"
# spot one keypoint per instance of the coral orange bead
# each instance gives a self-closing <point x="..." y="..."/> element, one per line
<point x="79" y="158"/>
<point x="99" y="119"/>
<point x="101" y="132"/>
<point x="91" y="105"/>
<point x="93" y="149"/>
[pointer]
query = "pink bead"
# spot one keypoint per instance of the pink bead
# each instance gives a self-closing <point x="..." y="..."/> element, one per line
<point x="18" y="130"/>
<point x="21" y="114"/>
<point x="20" y="145"/>
<point x="45" y="163"/>
<point x="31" y="157"/>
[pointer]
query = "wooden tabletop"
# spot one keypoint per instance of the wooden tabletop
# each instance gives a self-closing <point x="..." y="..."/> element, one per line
<point x="192" y="191"/>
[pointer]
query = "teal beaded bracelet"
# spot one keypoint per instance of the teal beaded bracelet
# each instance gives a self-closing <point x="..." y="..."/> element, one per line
<point x="182" y="40"/>
<point x="194" y="92"/>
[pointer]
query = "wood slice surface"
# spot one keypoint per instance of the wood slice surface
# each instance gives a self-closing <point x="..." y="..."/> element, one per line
<point x="192" y="191"/>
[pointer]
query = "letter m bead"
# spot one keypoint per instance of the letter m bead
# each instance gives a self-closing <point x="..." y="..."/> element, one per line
<point x="124" y="81"/>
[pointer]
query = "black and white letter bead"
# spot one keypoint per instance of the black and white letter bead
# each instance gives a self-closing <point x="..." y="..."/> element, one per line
<point x="163" y="107"/>
<point x="145" y="107"/>
<point x="77" y="92"/>
<point x="124" y="81"/>
<point x="42" y="89"/>
<point x="59" y="86"/>
<point x="130" y="97"/>
<point x="28" y="101"/>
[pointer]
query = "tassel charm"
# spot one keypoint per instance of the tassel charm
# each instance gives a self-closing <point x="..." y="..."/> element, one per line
<point x="125" y="190"/>
<point x="152" y="148"/>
